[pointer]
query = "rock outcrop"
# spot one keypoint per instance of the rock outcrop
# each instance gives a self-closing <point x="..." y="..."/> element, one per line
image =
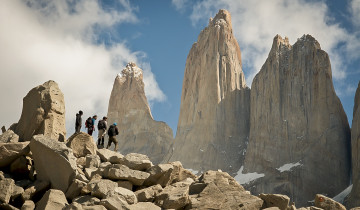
<point x="129" y="108"/>
<point x="81" y="144"/>
<point x="43" y="113"/>
<point x="299" y="134"/>
<point x="354" y="198"/>
<point x="214" y="114"/>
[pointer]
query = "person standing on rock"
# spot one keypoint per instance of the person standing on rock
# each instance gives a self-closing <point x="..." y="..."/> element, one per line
<point x="78" y="121"/>
<point x="90" y="124"/>
<point x="102" y="126"/>
<point x="112" y="132"/>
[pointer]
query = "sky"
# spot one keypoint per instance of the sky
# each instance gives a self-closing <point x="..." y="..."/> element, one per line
<point x="84" y="44"/>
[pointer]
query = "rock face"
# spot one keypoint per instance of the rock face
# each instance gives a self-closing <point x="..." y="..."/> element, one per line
<point x="54" y="162"/>
<point x="129" y="108"/>
<point x="214" y="114"/>
<point x="298" y="124"/>
<point x="43" y="113"/>
<point x="354" y="198"/>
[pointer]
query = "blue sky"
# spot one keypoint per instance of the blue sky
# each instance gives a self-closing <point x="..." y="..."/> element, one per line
<point x="83" y="44"/>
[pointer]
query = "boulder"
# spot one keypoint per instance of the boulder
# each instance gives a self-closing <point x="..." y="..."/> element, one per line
<point x="326" y="203"/>
<point x="6" y="189"/>
<point x="43" y="113"/>
<point x="52" y="200"/>
<point x="174" y="196"/>
<point x="297" y="124"/>
<point x="122" y="172"/>
<point x="92" y="161"/>
<point x="223" y="192"/>
<point x="11" y="151"/>
<point x="74" y="189"/>
<point x="109" y="156"/>
<point x="126" y="194"/>
<point x="275" y="200"/>
<point x="137" y="161"/>
<point x="35" y="190"/>
<point x="16" y="194"/>
<point x="9" y="136"/>
<point x="114" y="203"/>
<point x="82" y="144"/>
<point x="144" y="206"/>
<point x="77" y="206"/>
<point x="103" y="188"/>
<point x="213" y="124"/>
<point x="166" y="174"/>
<point x="54" y="162"/>
<point x="90" y="172"/>
<point x="148" y="194"/>
<point x="125" y="184"/>
<point x="129" y="108"/>
<point x="28" y="205"/>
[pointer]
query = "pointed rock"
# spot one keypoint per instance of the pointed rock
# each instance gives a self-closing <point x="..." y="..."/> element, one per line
<point x="214" y="113"/>
<point x="43" y="113"/>
<point x="354" y="198"/>
<point x="129" y="108"/>
<point x="299" y="134"/>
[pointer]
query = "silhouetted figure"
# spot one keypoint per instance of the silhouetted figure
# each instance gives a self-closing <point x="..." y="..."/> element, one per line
<point x="112" y="132"/>
<point x="102" y="126"/>
<point x="78" y="121"/>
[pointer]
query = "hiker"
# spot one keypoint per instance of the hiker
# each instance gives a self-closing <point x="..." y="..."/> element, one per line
<point x="78" y="121"/>
<point x="90" y="124"/>
<point x="102" y="126"/>
<point x="112" y="132"/>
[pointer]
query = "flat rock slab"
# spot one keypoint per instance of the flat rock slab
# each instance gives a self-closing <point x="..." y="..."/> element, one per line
<point x="82" y="144"/>
<point x="122" y="172"/>
<point x="137" y="161"/>
<point x="275" y="200"/>
<point x="110" y="156"/>
<point x="11" y="151"/>
<point x="54" y="162"/>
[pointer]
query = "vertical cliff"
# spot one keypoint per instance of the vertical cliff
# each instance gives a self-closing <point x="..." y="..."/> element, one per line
<point x="299" y="133"/>
<point x="129" y="108"/>
<point x="214" y="113"/>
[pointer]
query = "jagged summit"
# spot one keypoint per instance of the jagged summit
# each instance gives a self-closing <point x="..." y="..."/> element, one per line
<point x="131" y="70"/>
<point x="223" y="16"/>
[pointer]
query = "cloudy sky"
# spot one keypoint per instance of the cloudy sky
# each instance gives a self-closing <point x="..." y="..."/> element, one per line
<point x="83" y="44"/>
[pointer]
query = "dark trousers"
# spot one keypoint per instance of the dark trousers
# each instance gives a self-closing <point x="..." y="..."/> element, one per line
<point x="77" y="128"/>
<point x="112" y="139"/>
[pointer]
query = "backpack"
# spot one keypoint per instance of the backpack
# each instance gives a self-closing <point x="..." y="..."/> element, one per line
<point x="101" y="125"/>
<point x="112" y="131"/>
<point x="88" y="123"/>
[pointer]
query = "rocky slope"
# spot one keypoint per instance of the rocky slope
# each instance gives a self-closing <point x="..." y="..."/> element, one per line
<point x="43" y="113"/>
<point x="214" y="113"/>
<point x="299" y="133"/>
<point x="129" y="108"/>
<point x="354" y="198"/>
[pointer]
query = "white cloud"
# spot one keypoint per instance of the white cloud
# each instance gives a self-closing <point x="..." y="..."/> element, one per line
<point x="179" y="4"/>
<point x="255" y="23"/>
<point x="355" y="11"/>
<point x="48" y="40"/>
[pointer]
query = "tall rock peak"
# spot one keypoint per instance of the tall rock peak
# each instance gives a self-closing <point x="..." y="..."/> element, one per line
<point x="297" y="123"/>
<point x="129" y="108"/>
<point x="214" y="112"/>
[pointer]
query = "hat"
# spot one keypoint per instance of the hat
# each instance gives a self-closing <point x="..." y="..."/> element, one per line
<point x="115" y="123"/>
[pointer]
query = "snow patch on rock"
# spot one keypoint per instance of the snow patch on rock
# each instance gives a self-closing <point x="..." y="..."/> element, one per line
<point x="288" y="166"/>
<point x="246" y="178"/>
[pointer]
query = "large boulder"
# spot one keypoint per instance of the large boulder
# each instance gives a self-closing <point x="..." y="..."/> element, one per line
<point x="103" y="188"/>
<point x="22" y="166"/>
<point x="43" y="113"/>
<point x="275" y="200"/>
<point x="9" y="136"/>
<point x="11" y="151"/>
<point x="148" y="194"/>
<point x="218" y="190"/>
<point x="214" y="115"/>
<point x="114" y="203"/>
<point x="137" y="161"/>
<point x="54" y="162"/>
<point x="35" y="190"/>
<point x="326" y="203"/>
<point x="109" y="156"/>
<point x="82" y="144"/>
<point x="122" y="172"/>
<point x="354" y="197"/>
<point x="74" y="189"/>
<point x="129" y="108"/>
<point x="297" y="124"/>
<point x="52" y="200"/>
